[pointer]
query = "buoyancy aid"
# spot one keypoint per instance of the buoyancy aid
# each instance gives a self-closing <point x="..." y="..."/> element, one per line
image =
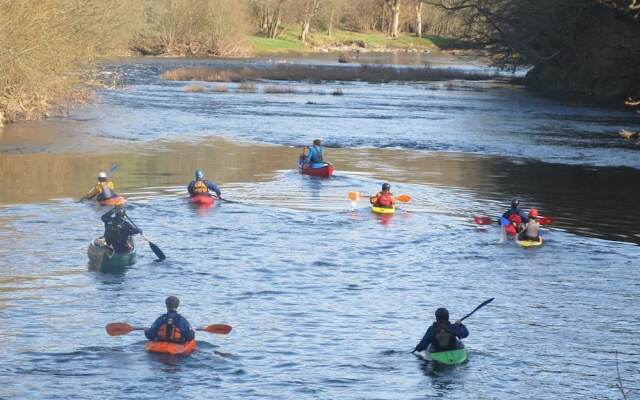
<point x="315" y="154"/>
<point x="384" y="199"/>
<point x="444" y="338"/>
<point x="104" y="190"/>
<point x="200" y="187"/>
<point x="170" y="332"/>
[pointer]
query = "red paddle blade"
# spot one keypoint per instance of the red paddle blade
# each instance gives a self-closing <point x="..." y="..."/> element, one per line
<point x="119" y="328"/>
<point x="545" y="220"/>
<point x="404" y="198"/>
<point x="482" y="220"/>
<point x="354" y="196"/>
<point x="220" y="329"/>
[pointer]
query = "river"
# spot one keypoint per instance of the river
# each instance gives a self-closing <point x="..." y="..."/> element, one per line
<point x="325" y="299"/>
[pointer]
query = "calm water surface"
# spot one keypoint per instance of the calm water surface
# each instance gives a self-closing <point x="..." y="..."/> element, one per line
<point x="326" y="300"/>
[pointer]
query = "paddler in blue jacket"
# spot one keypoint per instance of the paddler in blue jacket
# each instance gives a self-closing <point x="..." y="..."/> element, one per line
<point x="442" y="335"/>
<point x="201" y="186"/>
<point x="516" y="210"/>
<point x="315" y="157"/>
<point x="171" y="327"/>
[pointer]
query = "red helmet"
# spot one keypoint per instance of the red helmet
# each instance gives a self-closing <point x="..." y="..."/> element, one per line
<point x="533" y="213"/>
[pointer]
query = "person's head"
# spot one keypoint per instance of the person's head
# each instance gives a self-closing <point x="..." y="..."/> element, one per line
<point x="533" y="213"/>
<point x="317" y="142"/>
<point x="102" y="177"/>
<point x="386" y="187"/>
<point x="442" y="314"/>
<point x="199" y="174"/>
<point x="119" y="212"/>
<point x="172" y="303"/>
<point x="515" y="203"/>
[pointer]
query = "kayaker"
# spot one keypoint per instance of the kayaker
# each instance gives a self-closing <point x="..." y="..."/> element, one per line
<point x="384" y="198"/>
<point x="171" y="327"/>
<point x="201" y="186"/>
<point x="118" y="231"/>
<point x="442" y="335"/>
<point x="514" y="218"/>
<point x="103" y="189"/>
<point x="532" y="231"/>
<point x="315" y="157"/>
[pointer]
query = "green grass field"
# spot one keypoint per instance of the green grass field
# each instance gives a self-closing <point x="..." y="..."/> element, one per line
<point x="288" y="42"/>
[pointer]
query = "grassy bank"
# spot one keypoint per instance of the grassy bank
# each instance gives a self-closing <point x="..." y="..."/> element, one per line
<point x="288" y="42"/>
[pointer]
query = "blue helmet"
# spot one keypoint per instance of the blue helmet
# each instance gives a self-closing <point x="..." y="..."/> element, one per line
<point x="199" y="174"/>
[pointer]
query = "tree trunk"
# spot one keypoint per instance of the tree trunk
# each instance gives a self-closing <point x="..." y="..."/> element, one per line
<point x="331" y="22"/>
<point x="419" y="19"/>
<point x="305" y="30"/>
<point x="310" y="10"/>
<point x="394" y="6"/>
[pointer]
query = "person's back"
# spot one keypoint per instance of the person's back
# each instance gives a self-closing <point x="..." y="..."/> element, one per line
<point x="532" y="231"/>
<point x="171" y="327"/>
<point x="383" y="198"/>
<point x="201" y="186"/>
<point x="442" y="335"/>
<point x="515" y="210"/>
<point x="117" y="230"/>
<point x="103" y="189"/>
<point x="315" y="157"/>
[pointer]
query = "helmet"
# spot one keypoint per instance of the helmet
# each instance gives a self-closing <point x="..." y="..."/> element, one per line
<point x="533" y="213"/>
<point x="442" y="314"/>
<point x="120" y="212"/>
<point x="172" y="303"/>
<point x="199" y="174"/>
<point x="386" y="186"/>
<point x="102" y="176"/>
<point x="515" y="203"/>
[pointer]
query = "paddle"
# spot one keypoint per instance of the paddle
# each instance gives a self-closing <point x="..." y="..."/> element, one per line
<point x="484" y="220"/>
<point x="122" y="328"/>
<point x="471" y="313"/>
<point x="111" y="171"/>
<point x="156" y="250"/>
<point x="355" y="196"/>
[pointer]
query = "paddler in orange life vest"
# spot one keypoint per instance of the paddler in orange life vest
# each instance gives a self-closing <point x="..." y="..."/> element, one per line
<point x="103" y="189"/>
<point x="201" y="186"/>
<point x="171" y="327"/>
<point x="384" y="198"/>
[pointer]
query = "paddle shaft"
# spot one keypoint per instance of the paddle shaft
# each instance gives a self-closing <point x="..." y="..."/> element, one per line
<point x="156" y="250"/>
<point x="476" y="309"/>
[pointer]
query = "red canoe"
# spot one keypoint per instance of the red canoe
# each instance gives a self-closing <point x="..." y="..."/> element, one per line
<point x="202" y="199"/>
<point x="322" y="172"/>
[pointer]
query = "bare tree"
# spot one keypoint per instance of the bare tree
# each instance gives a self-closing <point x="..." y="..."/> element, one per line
<point x="394" y="7"/>
<point x="419" y="4"/>
<point x="309" y="11"/>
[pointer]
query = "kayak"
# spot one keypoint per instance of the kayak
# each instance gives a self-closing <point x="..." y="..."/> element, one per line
<point x="529" y="243"/>
<point x="102" y="257"/>
<point x="175" y="349"/>
<point x="451" y="357"/>
<point x="383" y="210"/>
<point x="113" y="201"/>
<point x="202" y="199"/>
<point x="322" y="172"/>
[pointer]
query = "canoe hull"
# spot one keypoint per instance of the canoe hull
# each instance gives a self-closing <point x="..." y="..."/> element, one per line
<point x="173" y="349"/>
<point x="383" y="210"/>
<point x="103" y="258"/>
<point x="324" y="172"/>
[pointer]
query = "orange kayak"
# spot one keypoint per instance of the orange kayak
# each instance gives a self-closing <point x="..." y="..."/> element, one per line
<point x="114" y="201"/>
<point x="175" y="349"/>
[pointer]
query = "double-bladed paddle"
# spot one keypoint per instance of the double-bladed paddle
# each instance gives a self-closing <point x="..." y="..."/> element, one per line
<point x="355" y="196"/>
<point x="484" y="220"/>
<point x="122" y="328"/>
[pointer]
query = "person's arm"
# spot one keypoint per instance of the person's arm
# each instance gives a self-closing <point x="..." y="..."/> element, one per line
<point x="524" y="217"/>
<point x="190" y="187"/>
<point x="133" y="230"/>
<point x="187" y="330"/>
<point x="90" y="194"/>
<point x="106" y="217"/>
<point x="152" y="332"/>
<point x="460" y="330"/>
<point x="426" y="340"/>
<point x="214" y="187"/>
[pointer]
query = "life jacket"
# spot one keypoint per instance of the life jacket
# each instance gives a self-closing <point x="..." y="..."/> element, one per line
<point x="444" y="338"/>
<point x="385" y="200"/>
<point x="200" y="187"/>
<point x="515" y="218"/>
<point x="104" y="190"/>
<point x="169" y="331"/>
<point x="316" y="155"/>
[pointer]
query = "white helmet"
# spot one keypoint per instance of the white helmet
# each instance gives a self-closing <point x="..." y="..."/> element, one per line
<point x="102" y="175"/>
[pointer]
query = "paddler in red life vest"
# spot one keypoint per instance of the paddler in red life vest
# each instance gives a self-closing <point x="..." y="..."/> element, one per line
<point x="532" y="230"/>
<point x="103" y="189"/>
<point x="201" y="186"/>
<point x="442" y="335"/>
<point x="514" y="218"/>
<point x="171" y="327"/>
<point x="384" y="198"/>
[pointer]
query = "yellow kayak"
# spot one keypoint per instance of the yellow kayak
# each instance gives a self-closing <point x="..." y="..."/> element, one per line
<point x="383" y="210"/>
<point x="529" y="243"/>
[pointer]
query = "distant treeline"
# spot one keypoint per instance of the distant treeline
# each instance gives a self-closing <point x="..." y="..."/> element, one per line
<point x="47" y="47"/>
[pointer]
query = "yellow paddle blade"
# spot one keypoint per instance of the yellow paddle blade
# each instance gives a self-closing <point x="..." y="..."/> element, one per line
<point x="354" y="196"/>
<point x="404" y="198"/>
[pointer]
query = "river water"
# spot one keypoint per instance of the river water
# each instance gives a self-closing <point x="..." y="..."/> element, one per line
<point x="325" y="299"/>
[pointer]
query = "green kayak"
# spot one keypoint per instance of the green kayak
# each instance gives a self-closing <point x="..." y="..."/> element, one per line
<point x="451" y="357"/>
<point x="103" y="258"/>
